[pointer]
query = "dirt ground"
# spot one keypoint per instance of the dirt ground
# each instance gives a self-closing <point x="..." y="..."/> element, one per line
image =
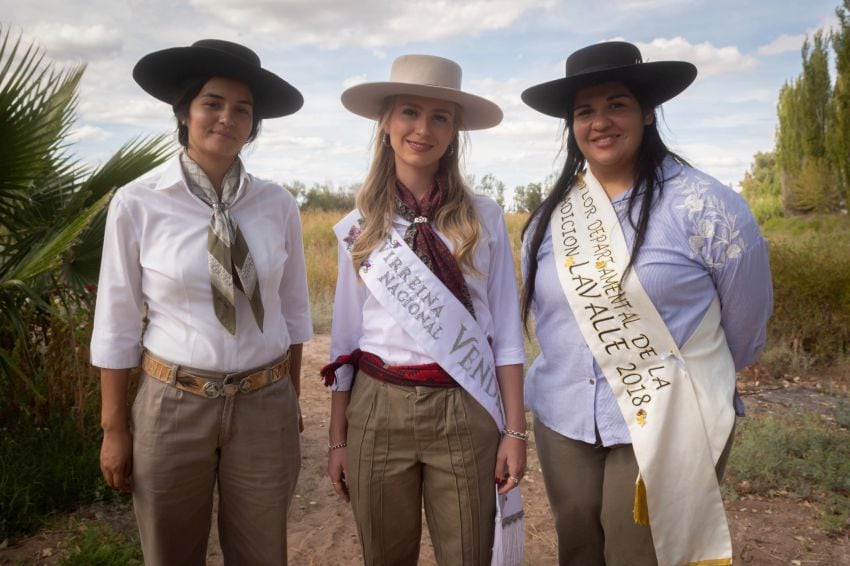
<point x="321" y="528"/>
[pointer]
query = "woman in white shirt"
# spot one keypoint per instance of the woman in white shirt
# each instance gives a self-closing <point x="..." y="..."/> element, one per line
<point x="212" y="259"/>
<point x="413" y="426"/>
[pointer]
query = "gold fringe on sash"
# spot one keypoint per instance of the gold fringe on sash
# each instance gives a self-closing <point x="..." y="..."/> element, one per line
<point x="712" y="562"/>
<point x="641" y="510"/>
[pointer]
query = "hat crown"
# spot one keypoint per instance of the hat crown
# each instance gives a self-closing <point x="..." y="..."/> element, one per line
<point x="233" y="49"/>
<point x="610" y="54"/>
<point x="426" y="70"/>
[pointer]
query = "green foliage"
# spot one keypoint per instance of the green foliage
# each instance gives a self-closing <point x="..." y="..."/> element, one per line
<point x="322" y="196"/>
<point x="492" y="187"/>
<point x="103" y="546"/>
<point x="45" y="470"/>
<point x="810" y="264"/>
<point x="761" y="187"/>
<point x="798" y="454"/>
<point x="51" y="207"/>
<point x="528" y="197"/>
<point x="806" y="170"/>
<point x="838" y="135"/>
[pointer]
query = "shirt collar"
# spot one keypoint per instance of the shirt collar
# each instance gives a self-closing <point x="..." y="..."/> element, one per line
<point x="173" y="175"/>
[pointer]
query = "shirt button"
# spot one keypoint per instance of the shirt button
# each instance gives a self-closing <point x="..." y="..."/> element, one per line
<point x="592" y="381"/>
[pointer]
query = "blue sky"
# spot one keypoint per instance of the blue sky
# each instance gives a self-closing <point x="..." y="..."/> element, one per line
<point x="744" y="50"/>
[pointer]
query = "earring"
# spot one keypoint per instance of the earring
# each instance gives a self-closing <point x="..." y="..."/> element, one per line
<point x="386" y="140"/>
<point x="450" y="150"/>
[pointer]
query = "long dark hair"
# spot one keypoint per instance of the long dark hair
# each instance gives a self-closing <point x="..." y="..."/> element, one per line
<point x="647" y="189"/>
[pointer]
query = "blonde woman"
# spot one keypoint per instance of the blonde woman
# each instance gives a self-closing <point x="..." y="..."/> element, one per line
<point x="427" y="374"/>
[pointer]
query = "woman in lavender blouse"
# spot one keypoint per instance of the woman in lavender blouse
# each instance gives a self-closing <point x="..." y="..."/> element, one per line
<point x="692" y="241"/>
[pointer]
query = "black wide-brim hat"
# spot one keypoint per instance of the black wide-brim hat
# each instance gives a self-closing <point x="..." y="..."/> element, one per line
<point x="654" y="82"/>
<point x="165" y="74"/>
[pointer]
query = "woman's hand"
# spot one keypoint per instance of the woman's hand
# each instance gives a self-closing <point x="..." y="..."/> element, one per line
<point x="510" y="463"/>
<point x="116" y="452"/>
<point x="338" y="472"/>
<point x="116" y="459"/>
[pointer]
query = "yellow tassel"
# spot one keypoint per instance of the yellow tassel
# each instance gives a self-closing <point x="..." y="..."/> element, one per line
<point x="641" y="511"/>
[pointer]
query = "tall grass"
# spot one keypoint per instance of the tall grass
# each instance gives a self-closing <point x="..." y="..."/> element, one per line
<point x="320" y="250"/>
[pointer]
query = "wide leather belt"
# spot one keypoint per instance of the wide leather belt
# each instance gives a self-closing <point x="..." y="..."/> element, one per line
<point x="213" y="385"/>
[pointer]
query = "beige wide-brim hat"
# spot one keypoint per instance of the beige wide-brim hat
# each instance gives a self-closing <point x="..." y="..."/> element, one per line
<point x="428" y="76"/>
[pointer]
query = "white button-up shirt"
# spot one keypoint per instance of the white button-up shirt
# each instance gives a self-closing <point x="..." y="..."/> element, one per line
<point x="359" y="320"/>
<point x="155" y="252"/>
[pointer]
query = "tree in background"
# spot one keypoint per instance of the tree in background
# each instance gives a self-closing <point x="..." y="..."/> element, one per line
<point x="492" y="187"/>
<point x="761" y="187"/>
<point x="838" y="136"/>
<point x="528" y="197"/>
<point x="806" y="170"/>
<point x="322" y="196"/>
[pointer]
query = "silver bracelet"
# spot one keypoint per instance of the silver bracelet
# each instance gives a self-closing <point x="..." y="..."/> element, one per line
<point x="515" y="434"/>
<point x="332" y="447"/>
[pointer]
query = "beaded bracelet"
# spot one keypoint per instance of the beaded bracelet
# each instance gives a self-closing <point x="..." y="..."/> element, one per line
<point x="516" y="434"/>
<point x="332" y="447"/>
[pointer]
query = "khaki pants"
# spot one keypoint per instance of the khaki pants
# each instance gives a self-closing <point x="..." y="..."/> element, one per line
<point x="406" y="444"/>
<point x="183" y="444"/>
<point x="591" y="492"/>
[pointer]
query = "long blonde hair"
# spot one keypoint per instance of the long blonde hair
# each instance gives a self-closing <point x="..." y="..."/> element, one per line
<point x="376" y="201"/>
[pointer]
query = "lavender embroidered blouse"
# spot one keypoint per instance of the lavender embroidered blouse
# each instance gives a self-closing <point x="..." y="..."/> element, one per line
<point x="702" y="241"/>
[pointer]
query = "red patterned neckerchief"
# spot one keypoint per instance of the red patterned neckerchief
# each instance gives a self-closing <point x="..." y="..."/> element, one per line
<point x="425" y="242"/>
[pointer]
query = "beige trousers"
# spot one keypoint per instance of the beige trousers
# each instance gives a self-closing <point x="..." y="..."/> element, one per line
<point x="183" y="444"/>
<point x="406" y="444"/>
<point x="591" y="492"/>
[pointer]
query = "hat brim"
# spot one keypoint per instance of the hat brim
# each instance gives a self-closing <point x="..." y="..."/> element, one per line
<point x="657" y="82"/>
<point x="163" y="74"/>
<point x="367" y="100"/>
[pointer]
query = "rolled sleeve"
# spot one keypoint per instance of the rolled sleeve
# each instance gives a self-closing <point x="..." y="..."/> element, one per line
<point x="503" y="297"/>
<point x="294" y="295"/>
<point x="116" y="338"/>
<point x="347" y="324"/>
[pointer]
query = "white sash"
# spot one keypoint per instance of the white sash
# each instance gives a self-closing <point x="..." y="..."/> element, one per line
<point x="676" y="403"/>
<point x="428" y="311"/>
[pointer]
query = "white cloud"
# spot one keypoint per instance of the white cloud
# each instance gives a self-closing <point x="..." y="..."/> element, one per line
<point x="710" y="60"/>
<point x="70" y="41"/>
<point x="756" y="95"/>
<point x="352" y="81"/>
<point x="736" y="120"/>
<point x="88" y="133"/>
<point x="370" y="23"/>
<point x="782" y="44"/>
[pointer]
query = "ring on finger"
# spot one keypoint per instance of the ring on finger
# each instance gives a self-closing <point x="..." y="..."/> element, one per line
<point x="515" y="479"/>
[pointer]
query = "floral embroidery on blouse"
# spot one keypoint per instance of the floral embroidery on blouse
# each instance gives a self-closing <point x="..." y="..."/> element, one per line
<point x="714" y="235"/>
<point x="353" y="233"/>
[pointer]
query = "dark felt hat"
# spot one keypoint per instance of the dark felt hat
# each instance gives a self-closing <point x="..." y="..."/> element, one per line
<point x="164" y="74"/>
<point x="654" y="82"/>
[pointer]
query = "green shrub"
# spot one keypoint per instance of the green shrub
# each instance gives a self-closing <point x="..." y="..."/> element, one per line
<point x="810" y="264"/>
<point x="44" y="471"/>
<point x="103" y="546"/>
<point x="801" y="455"/>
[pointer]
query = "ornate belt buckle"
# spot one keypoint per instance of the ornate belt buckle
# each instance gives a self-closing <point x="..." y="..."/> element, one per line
<point x="211" y="390"/>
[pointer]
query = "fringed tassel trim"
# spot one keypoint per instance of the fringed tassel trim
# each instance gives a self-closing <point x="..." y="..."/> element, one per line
<point x="328" y="372"/>
<point x="641" y="510"/>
